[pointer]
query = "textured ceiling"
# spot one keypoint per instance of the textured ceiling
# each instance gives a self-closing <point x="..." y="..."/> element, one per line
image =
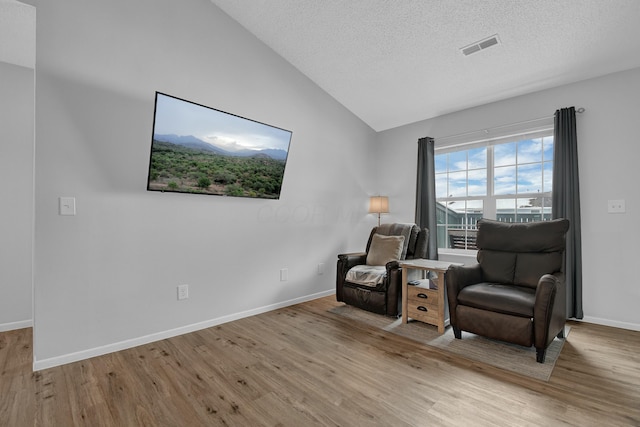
<point x="393" y="62"/>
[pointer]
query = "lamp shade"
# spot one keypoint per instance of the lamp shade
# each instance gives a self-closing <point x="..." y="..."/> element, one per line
<point x="379" y="204"/>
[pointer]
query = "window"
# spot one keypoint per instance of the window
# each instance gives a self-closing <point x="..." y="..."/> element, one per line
<point x="509" y="179"/>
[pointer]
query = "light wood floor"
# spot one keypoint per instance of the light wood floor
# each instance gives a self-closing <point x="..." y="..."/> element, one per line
<point x="303" y="366"/>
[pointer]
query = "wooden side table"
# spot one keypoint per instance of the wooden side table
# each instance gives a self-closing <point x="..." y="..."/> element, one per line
<point x="425" y="299"/>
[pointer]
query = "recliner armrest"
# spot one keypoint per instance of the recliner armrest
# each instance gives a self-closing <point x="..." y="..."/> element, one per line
<point x="352" y="259"/>
<point x="345" y="262"/>
<point x="549" y="314"/>
<point x="459" y="276"/>
<point x="392" y="265"/>
<point x="394" y="272"/>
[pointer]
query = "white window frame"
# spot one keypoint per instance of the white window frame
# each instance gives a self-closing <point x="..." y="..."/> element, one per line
<point x="501" y="135"/>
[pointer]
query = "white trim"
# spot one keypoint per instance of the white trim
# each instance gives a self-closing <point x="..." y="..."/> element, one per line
<point x="493" y="140"/>
<point x="4" y="327"/>
<point x="612" y="323"/>
<point x="468" y="253"/>
<point x="134" y="342"/>
<point x="496" y="133"/>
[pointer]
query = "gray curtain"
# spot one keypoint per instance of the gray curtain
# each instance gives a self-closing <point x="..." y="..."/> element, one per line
<point x="426" y="193"/>
<point x="566" y="203"/>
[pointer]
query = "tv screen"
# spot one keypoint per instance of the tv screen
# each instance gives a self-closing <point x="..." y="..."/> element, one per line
<point x="201" y="150"/>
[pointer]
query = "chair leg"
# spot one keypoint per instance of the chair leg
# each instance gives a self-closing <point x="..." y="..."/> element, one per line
<point x="457" y="333"/>
<point x="540" y="354"/>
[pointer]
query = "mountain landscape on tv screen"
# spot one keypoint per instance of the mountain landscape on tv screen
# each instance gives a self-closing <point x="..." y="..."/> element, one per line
<point x="187" y="164"/>
<point x="191" y="141"/>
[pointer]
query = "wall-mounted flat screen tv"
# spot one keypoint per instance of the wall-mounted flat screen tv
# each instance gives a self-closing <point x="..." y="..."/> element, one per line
<point x="201" y="150"/>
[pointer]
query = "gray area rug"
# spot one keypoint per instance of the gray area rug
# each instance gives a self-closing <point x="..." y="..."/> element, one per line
<point x="511" y="357"/>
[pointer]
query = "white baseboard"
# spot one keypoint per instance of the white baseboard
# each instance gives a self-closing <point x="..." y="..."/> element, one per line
<point x="123" y="345"/>
<point x="612" y="323"/>
<point x="4" y="327"/>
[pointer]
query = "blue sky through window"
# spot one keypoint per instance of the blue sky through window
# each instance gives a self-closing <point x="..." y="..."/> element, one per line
<point x="519" y="167"/>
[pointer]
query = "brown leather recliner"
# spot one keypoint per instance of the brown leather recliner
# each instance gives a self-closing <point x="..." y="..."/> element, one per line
<point x="382" y="298"/>
<point x="516" y="293"/>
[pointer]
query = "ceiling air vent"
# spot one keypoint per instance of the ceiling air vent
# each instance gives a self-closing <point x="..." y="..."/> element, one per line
<point x="480" y="45"/>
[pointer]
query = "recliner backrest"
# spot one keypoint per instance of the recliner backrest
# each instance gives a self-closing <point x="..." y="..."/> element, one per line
<point x="416" y="246"/>
<point x="520" y="253"/>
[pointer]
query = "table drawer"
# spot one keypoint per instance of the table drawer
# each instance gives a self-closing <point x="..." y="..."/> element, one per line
<point x="419" y="295"/>
<point x="424" y="314"/>
<point x="422" y="304"/>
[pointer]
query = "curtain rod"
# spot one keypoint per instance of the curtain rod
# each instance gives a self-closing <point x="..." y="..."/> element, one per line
<point x="486" y="131"/>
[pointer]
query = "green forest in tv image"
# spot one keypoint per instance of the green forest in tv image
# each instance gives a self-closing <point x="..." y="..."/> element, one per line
<point x="177" y="168"/>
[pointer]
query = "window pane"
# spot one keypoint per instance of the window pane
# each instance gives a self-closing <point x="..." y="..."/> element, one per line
<point x="464" y="182"/>
<point x="457" y="184"/>
<point x="478" y="158"/>
<point x="441" y="219"/>
<point x="504" y="154"/>
<point x="458" y="161"/>
<point x="440" y="162"/>
<point x="528" y="210"/>
<point x="504" y="180"/>
<point x="441" y="212"/>
<point x="455" y="216"/>
<point x="529" y="151"/>
<point x="477" y="182"/>
<point x="523" y="209"/>
<point x="530" y="178"/>
<point x="548" y="147"/>
<point x="461" y="217"/>
<point x="546" y="208"/>
<point x="474" y="212"/>
<point x="506" y="210"/>
<point x="443" y="241"/>
<point x="464" y="213"/>
<point x="441" y="185"/>
<point x="547" y="174"/>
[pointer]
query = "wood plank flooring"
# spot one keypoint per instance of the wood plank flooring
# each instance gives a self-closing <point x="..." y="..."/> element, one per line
<point x="304" y="366"/>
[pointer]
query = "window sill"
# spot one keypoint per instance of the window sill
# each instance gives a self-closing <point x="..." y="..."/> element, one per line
<point x="463" y="256"/>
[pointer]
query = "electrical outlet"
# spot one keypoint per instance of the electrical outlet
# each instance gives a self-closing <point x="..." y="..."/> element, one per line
<point x="616" y="206"/>
<point x="183" y="292"/>
<point x="321" y="268"/>
<point x="284" y="274"/>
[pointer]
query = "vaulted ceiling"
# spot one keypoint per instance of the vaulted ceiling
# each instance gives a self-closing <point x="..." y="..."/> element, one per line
<point x="393" y="62"/>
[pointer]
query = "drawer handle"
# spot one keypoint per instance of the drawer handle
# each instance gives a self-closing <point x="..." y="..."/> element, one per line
<point x="421" y="295"/>
<point x="422" y="308"/>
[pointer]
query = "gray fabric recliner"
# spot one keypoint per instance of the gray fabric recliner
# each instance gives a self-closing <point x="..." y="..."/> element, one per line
<point x="516" y="293"/>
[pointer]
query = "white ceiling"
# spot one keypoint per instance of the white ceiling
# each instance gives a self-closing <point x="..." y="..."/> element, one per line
<point x="393" y="62"/>
<point x="17" y="33"/>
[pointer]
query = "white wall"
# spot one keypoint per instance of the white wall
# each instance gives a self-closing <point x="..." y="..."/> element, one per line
<point x="607" y="139"/>
<point x="106" y="278"/>
<point x="16" y="193"/>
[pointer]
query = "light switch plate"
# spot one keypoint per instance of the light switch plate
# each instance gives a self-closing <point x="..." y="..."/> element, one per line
<point x="67" y="205"/>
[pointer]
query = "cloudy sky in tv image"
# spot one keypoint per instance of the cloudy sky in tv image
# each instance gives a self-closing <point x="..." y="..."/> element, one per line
<point x="233" y="133"/>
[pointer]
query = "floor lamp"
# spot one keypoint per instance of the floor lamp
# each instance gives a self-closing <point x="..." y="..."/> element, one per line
<point x="379" y="205"/>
